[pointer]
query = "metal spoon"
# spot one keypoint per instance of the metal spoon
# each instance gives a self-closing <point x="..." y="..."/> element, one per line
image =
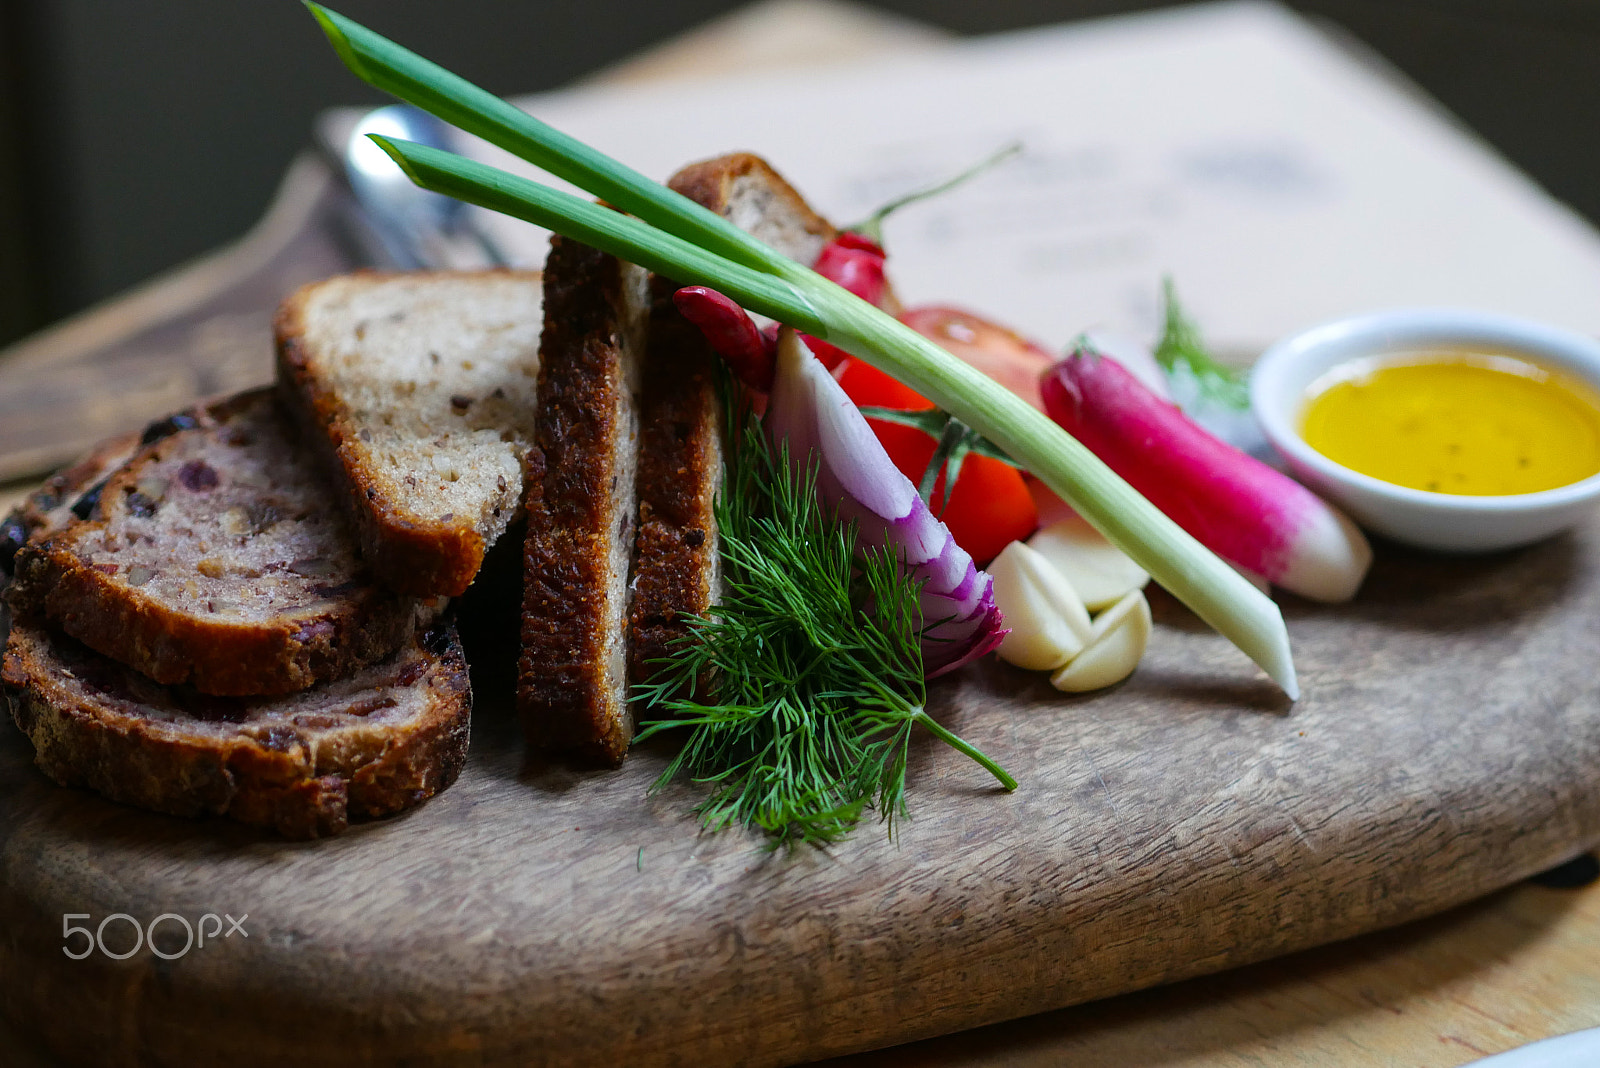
<point x="415" y="228"/>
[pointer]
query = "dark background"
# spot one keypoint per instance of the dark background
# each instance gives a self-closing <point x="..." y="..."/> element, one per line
<point x="135" y="134"/>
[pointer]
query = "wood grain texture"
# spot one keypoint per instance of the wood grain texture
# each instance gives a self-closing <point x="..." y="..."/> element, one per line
<point x="1181" y="824"/>
<point x="1433" y="994"/>
<point x="1442" y="992"/>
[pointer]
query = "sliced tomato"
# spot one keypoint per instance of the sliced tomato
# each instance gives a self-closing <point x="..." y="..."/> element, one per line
<point x="999" y="352"/>
<point x="990" y="506"/>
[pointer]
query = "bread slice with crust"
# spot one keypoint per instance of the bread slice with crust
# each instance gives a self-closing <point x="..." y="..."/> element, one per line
<point x="677" y="571"/>
<point x="64" y="495"/>
<point x="212" y="557"/>
<point x="744" y="189"/>
<point x="418" y="391"/>
<point x="572" y="678"/>
<point x="382" y="740"/>
<point x="69" y="493"/>
<point x="677" y="557"/>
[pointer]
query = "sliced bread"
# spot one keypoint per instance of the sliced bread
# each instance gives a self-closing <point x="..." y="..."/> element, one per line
<point x="744" y="189"/>
<point x="572" y="675"/>
<point x="677" y="557"/>
<point x="72" y="490"/>
<point x="677" y="571"/>
<point x="418" y="390"/>
<point x="213" y="558"/>
<point x="69" y="493"/>
<point x="382" y="740"/>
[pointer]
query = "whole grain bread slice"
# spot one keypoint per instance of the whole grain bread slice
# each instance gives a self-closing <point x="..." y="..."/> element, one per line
<point x="744" y="189"/>
<point x="71" y="491"/>
<point x="212" y="557"/>
<point x="382" y="740"/>
<point x="572" y="677"/>
<point x="68" y="494"/>
<point x="677" y="556"/>
<point x="677" y="570"/>
<point x="418" y="391"/>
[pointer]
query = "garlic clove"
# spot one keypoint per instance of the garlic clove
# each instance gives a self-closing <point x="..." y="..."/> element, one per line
<point x="1101" y="573"/>
<point x="1118" y="640"/>
<point x="1049" y="625"/>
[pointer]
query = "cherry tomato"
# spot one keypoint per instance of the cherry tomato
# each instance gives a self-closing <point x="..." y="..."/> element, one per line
<point x="990" y="506"/>
<point x="989" y="509"/>
<point x="999" y="352"/>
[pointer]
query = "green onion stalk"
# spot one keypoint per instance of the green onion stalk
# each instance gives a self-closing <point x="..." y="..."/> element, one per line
<point x="667" y="233"/>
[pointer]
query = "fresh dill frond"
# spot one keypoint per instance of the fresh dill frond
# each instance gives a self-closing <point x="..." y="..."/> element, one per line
<point x="801" y="693"/>
<point x="1182" y="352"/>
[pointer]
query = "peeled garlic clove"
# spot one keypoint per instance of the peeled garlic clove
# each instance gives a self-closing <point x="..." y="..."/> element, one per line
<point x="1117" y="642"/>
<point x="1048" y="622"/>
<point x="1101" y="573"/>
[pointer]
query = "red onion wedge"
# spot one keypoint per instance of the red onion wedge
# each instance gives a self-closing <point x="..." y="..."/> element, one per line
<point x="809" y="411"/>
<point x="1239" y="508"/>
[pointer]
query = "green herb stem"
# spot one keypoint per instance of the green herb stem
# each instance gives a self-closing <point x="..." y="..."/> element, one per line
<point x="394" y="69"/>
<point x="961" y="745"/>
<point x="610" y="231"/>
<point x="1181" y="350"/>
<point x="813" y="663"/>
<point x="872" y="225"/>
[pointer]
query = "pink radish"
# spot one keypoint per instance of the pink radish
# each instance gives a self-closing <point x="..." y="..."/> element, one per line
<point x="1236" y="506"/>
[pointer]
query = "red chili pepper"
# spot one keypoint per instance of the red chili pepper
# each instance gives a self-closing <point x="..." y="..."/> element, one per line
<point x="732" y="334"/>
<point x="855" y="262"/>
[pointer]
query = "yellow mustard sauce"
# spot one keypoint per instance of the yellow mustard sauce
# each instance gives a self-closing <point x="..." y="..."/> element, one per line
<point x="1456" y="422"/>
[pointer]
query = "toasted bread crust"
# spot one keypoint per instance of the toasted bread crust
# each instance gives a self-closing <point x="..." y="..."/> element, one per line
<point x="712" y="183"/>
<point x="57" y="578"/>
<point x="51" y="506"/>
<point x="48" y="506"/>
<point x="680" y="470"/>
<point x="572" y="685"/>
<point x="304" y="765"/>
<point x="744" y="188"/>
<point x="420" y="555"/>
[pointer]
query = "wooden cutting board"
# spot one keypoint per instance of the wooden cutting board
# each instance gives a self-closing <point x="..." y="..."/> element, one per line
<point x="1184" y="822"/>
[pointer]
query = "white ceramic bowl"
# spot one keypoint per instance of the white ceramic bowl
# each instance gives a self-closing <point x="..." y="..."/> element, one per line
<point x="1432" y="520"/>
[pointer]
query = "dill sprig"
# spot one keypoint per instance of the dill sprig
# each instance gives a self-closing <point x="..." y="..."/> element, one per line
<point x="1182" y="351"/>
<point x="801" y="693"/>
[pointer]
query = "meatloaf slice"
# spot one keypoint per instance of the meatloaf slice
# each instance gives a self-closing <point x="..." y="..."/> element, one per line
<point x="382" y="740"/>
<point x="214" y="557"/>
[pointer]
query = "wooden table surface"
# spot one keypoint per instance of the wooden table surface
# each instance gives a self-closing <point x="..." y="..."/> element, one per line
<point x="1511" y="969"/>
